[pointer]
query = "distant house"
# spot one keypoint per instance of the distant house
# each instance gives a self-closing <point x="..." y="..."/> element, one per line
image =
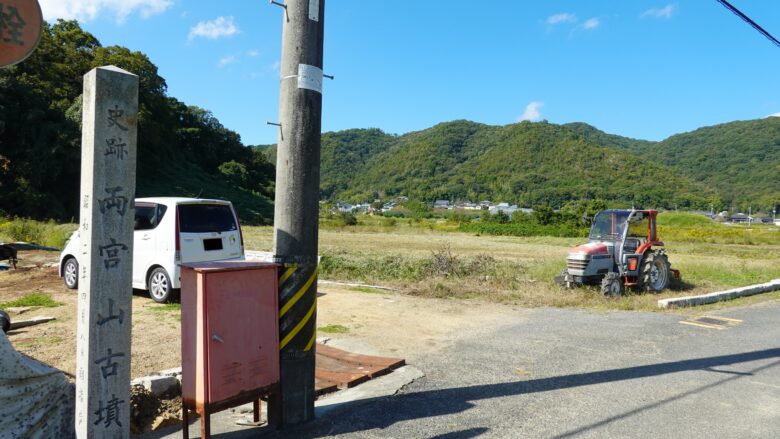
<point x="504" y="208"/>
<point x="442" y="204"/>
<point x="344" y="207"/>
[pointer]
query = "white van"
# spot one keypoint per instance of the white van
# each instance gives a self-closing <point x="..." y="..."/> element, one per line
<point x="169" y="232"/>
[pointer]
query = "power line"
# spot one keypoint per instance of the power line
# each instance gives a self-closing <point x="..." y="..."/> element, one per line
<point x="747" y="19"/>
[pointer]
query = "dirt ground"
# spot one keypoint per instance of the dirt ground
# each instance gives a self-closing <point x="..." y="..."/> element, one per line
<point x="418" y="325"/>
<point x="155" y="327"/>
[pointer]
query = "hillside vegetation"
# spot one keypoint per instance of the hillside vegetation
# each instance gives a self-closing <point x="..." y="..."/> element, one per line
<point x="182" y="150"/>
<point x="595" y="135"/>
<point x="726" y="166"/>
<point x="741" y="160"/>
<point x="525" y="163"/>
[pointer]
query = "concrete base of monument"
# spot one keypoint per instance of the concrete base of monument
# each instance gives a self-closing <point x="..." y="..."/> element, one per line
<point x="237" y="422"/>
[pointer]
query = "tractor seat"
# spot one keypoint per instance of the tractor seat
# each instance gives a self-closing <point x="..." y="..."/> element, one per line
<point x="631" y="245"/>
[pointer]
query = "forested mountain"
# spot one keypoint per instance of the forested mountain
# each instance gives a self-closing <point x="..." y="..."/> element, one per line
<point x="182" y="150"/>
<point x="343" y="156"/>
<point x="525" y="163"/>
<point x="741" y="160"/>
<point x="595" y="135"/>
<point x="733" y="164"/>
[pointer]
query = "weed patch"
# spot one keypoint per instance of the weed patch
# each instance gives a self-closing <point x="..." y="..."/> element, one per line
<point x="46" y="233"/>
<point x="34" y="299"/>
<point x="333" y="329"/>
<point x="167" y="310"/>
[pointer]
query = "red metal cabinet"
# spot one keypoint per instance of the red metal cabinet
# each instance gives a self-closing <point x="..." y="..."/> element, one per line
<point x="230" y="334"/>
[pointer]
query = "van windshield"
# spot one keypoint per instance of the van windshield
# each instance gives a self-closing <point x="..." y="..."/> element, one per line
<point x="205" y="218"/>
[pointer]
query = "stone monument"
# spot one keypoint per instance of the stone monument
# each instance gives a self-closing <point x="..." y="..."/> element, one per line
<point x="108" y="159"/>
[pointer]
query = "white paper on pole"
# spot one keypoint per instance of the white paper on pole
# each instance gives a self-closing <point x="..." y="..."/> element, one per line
<point x="310" y="77"/>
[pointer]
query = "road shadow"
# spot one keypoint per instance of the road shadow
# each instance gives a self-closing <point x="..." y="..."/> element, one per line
<point x="734" y="376"/>
<point x="380" y="413"/>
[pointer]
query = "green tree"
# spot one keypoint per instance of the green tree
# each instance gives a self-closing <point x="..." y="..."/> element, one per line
<point x="543" y="214"/>
<point x="180" y="148"/>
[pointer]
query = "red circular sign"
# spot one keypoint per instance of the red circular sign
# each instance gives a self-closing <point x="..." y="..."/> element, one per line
<point x="20" y="30"/>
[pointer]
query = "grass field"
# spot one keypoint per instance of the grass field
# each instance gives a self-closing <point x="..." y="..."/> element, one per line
<point x="430" y="259"/>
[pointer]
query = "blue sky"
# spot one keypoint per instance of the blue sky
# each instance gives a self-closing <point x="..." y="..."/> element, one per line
<point x="644" y="69"/>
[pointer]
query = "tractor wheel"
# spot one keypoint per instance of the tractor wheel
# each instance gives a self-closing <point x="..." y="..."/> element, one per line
<point x="612" y="285"/>
<point x="655" y="273"/>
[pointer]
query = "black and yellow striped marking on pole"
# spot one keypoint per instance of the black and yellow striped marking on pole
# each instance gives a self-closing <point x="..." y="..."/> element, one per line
<point x="297" y="335"/>
<point x="297" y="307"/>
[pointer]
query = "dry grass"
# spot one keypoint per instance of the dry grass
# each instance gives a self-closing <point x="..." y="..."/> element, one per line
<point x="515" y="270"/>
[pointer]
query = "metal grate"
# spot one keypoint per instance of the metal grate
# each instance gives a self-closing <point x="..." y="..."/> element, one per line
<point x="577" y="264"/>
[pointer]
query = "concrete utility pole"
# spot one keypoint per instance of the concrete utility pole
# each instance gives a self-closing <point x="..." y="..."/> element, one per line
<point x="297" y="204"/>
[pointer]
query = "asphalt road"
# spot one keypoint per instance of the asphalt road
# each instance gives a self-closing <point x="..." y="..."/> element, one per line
<point x="567" y="373"/>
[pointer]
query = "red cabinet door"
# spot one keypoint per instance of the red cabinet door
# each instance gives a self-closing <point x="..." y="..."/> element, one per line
<point x="242" y="333"/>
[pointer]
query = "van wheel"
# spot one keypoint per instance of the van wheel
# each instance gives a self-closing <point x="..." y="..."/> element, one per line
<point x="160" y="286"/>
<point x="70" y="273"/>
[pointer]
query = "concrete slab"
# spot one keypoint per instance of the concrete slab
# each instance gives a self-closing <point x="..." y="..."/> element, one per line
<point x="30" y="322"/>
<point x="156" y="385"/>
<point x="720" y="295"/>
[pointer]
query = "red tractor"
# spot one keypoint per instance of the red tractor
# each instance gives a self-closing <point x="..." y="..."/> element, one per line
<point x="623" y="250"/>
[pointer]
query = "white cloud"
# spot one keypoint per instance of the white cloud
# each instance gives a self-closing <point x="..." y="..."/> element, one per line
<point x="253" y="53"/>
<point x="665" y="12"/>
<point x="87" y="10"/>
<point x="217" y="28"/>
<point x="563" y="17"/>
<point x="774" y="115"/>
<point x="276" y="65"/>
<point x="591" y="23"/>
<point x="230" y="59"/>
<point x="532" y="111"/>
